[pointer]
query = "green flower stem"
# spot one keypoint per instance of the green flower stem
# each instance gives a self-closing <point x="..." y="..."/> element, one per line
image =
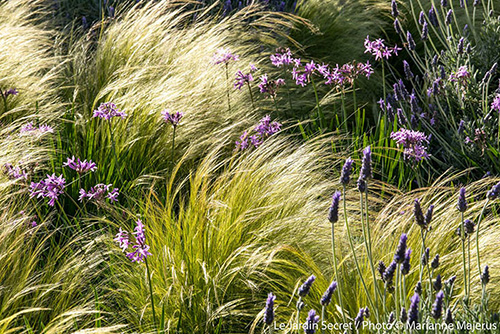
<point x="372" y="306"/>
<point x="477" y="236"/>
<point x="298" y="314"/>
<point x="173" y="146"/>
<point x="322" y="319"/>
<point x="462" y="236"/>
<point x="227" y="87"/>
<point x="337" y="277"/>
<point x="320" y="114"/>
<point x="151" y="294"/>
<point x="251" y="94"/>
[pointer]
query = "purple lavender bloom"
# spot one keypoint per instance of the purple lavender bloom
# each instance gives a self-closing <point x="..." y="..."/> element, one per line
<point x="242" y="79"/>
<point x="224" y="56"/>
<point x="425" y="31"/>
<point x="392" y="318"/>
<point x="389" y="272"/>
<point x="448" y="17"/>
<point x="476" y="2"/>
<point x="460" y="46"/>
<point x="327" y="296"/>
<point x="366" y="165"/>
<point x="451" y="281"/>
<point x="438" y="284"/>
<point x="411" y="42"/>
<point x="399" y="256"/>
<point x="108" y="110"/>
<point x="433" y="17"/>
<point x="269" y="311"/>
<point x="405" y="267"/>
<point x="397" y="26"/>
<point x="485" y="275"/>
<point x="79" y="166"/>
<point x="378" y="49"/>
<point x="413" y="144"/>
<point x="444" y="3"/>
<point x="404" y="315"/>
<point x="52" y="187"/>
<point x="418" y="213"/>
<point x="418" y="287"/>
<point x="462" y="3"/>
<point x="172" y="118"/>
<point x="359" y="318"/>
<point x="99" y="192"/>
<point x="437" y="307"/>
<point x="494" y="192"/>
<point x="469" y="226"/>
<point x="361" y="184"/>
<point x="413" y="312"/>
<point x="407" y="70"/>
<point x="421" y="18"/>
<point x="333" y="212"/>
<point x="311" y="324"/>
<point x="394" y="7"/>
<point x="462" y="201"/>
<point x="306" y="287"/>
<point x="381" y="269"/>
<point x="122" y="239"/>
<point x="345" y="175"/>
<point x="435" y="262"/>
<point x="141" y="250"/>
<point x="428" y="215"/>
<point x="461" y="126"/>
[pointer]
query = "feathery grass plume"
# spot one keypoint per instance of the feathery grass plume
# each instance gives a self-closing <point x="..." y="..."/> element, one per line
<point x="154" y="56"/>
<point x="31" y="66"/>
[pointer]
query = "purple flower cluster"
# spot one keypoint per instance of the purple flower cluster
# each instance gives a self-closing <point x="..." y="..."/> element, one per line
<point x="413" y="143"/>
<point x="264" y="129"/>
<point x="79" y="166"/>
<point x="15" y="173"/>
<point x="172" y="118"/>
<point x="30" y="128"/>
<point x="346" y="74"/>
<point x="224" y="56"/>
<point x="140" y="249"/>
<point x="306" y="287"/>
<point x="108" y="110"/>
<point x="378" y="49"/>
<point x="311" y="324"/>
<point x="99" y="192"/>
<point x="284" y="58"/>
<point x="269" y="311"/>
<point x="242" y="79"/>
<point x="10" y="91"/>
<point x="270" y="87"/>
<point x="50" y="188"/>
<point x="461" y="76"/>
<point x="495" y="105"/>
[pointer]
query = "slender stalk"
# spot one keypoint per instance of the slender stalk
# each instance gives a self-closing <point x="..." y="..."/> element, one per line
<point x="383" y="79"/>
<point x="367" y="220"/>
<point x="344" y="113"/>
<point x="151" y="294"/>
<point x="113" y="145"/>
<point x="251" y="94"/>
<point x="298" y="314"/>
<point x="337" y="277"/>
<point x="320" y="114"/>
<point x="322" y="319"/>
<point x="468" y="259"/>
<point x="477" y="236"/>
<point x="462" y="236"/>
<point x="288" y="91"/>
<point x="271" y="329"/>
<point x="227" y="87"/>
<point x="275" y="105"/>
<point x="173" y="146"/>
<point x="349" y="237"/>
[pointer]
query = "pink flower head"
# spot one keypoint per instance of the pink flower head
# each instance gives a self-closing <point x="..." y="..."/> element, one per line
<point x="79" y="166"/>
<point x="172" y="118"/>
<point x="99" y="193"/>
<point x="108" y="110"/>
<point x="52" y="187"/>
<point x="224" y="56"/>
<point x="378" y="49"/>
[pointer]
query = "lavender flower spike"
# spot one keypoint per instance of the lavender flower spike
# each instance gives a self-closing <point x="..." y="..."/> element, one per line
<point x="411" y="42"/>
<point x="327" y="296"/>
<point x="462" y="201"/>
<point x="438" y="284"/>
<point x="405" y="267"/>
<point x="333" y="212"/>
<point x="345" y="175"/>
<point x="418" y="214"/>
<point x="494" y="192"/>
<point x="366" y="165"/>
<point x="269" y="312"/>
<point x="400" y="254"/>
<point x="413" y="311"/>
<point x="359" y="318"/>
<point x="485" y="276"/>
<point x="306" y="287"/>
<point x="437" y="307"/>
<point x="311" y="324"/>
